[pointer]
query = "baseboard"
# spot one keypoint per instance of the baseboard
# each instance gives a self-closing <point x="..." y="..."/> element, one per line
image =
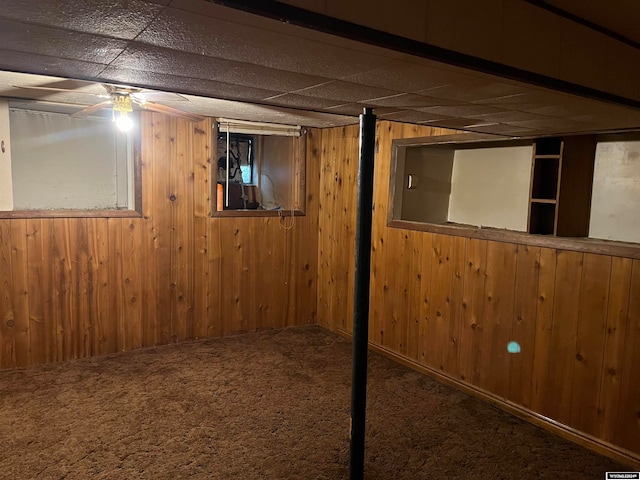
<point x="592" y="443"/>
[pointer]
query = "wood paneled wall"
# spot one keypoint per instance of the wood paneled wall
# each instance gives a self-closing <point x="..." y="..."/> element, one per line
<point x="452" y="304"/>
<point x="76" y="287"/>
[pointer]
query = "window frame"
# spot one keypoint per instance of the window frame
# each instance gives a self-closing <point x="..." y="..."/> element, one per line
<point x="135" y="212"/>
<point x="471" y="140"/>
<point x="299" y="190"/>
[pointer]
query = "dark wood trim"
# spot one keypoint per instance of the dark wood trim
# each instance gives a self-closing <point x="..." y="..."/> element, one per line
<point x="587" y="245"/>
<point x="258" y="213"/>
<point x="342" y="28"/>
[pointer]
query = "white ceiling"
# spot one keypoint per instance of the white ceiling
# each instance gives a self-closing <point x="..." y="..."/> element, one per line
<point x="233" y="64"/>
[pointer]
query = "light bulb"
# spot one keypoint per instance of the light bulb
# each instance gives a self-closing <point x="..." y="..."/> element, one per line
<point x="124" y="122"/>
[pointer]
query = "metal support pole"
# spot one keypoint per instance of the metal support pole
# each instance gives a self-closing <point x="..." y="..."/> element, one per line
<point x="361" y="304"/>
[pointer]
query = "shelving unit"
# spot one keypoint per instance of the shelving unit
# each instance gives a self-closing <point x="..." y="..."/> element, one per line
<point x="561" y="184"/>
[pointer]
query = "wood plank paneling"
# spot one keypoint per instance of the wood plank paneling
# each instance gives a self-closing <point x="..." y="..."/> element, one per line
<point x="564" y="334"/>
<point x="494" y="368"/>
<point x="574" y="315"/>
<point x="37" y="289"/>
<point x="7" y="335"/>
<point x="439" y="316"/>
<point x="590" y="338"/>
<point x="542" y="391"/>
<point x="472" y="324"/>
<point x="628" y="419"/>
<point x="523" y="327"/>
<point x="20" y="292"/>
<point x="75" y="287"/>
<point x="614" y="348"/>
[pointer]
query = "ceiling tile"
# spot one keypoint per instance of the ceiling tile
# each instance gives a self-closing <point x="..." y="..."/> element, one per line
<point x="356" y="109"/>
<point x="405" y="77"/>
<point x="474" y="89"/>
<point x="21" y="37"/>
<point x="117" y="18"/>
<point x="461" y="123"/>
<point x="413" y="116"/>
<point x="507" y="116"/>
<point x="407" y="101"/>
<point x="552" y="124"/>
<point x="466" y="110"/>
<point x="162" y="60"/>
<point x="207" y="36"/>
<point x="195" y="86"/>
<point x="42" y="64"/>
<point x="244" y="19"/>
<point x="345" y="91"/>
<point x="301" y="101"/>
<point x="502" y="129"/>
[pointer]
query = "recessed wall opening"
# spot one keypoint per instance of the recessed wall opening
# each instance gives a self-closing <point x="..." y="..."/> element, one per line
<point x="575" y="187"/>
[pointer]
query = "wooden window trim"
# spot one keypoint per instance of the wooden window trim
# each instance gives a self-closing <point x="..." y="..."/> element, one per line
<point x="613" y="248"/>
<point x="299" y="192"/>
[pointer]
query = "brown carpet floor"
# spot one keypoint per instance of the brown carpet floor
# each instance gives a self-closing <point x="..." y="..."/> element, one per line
<point x="272" y="405"/>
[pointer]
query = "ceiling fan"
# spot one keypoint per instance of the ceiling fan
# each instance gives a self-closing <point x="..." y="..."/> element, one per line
<point x="121" y="99"/>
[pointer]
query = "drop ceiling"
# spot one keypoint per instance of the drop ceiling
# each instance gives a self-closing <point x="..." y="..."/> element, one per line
<point x="237" y="65"/>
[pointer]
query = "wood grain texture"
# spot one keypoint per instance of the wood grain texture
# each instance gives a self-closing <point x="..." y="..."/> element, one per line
<point x="76" y="287"/>
<point x="451" y="303"/>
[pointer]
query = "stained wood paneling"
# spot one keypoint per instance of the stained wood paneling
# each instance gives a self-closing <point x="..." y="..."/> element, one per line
<point x="523" y="326"/>
<point x="75" y="287"/>
<point x="453" y="303"/>
<point x="614" y="348"/>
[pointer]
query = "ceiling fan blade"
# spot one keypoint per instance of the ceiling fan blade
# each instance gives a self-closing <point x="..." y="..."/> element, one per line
<point x="62" y="86"/>
<point x="156" y="107"/>
<point x="93" y="108"/>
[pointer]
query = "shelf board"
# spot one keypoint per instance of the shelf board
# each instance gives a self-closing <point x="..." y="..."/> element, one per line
<point x="544" y="200"/>
<point x="556" y="156"/>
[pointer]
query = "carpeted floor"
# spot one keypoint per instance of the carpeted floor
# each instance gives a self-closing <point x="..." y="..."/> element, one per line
<point x="273" y="405"/>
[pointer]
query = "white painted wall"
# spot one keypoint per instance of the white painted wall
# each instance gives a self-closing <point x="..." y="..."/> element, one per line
<point x="615" y="204"/>
<point x="490" y="187"/>
<point x="59" y="162"/>
<point x="6" y="189"/>
<point x="429" y="202"/>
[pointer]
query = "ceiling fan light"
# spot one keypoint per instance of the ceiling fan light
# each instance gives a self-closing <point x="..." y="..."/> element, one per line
<point x="124" y="122"/>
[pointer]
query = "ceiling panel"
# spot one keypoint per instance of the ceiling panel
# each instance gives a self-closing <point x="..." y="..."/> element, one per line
<point x="207" y="36"/>
<point x="42" y="64"/>
<point x="404" y="76"/>
<point x="163" y="60"/>
<point x="408" y="100"/>
<point x="116" y="18"/>
<point x="301" y="101"/>
<point x="194" y="86"/>
<point x="20" y="37"/>
<point x="207" y="50"/>
<point x="345" y="91"/>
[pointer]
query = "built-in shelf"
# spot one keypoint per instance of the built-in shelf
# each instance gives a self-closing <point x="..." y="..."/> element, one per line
<point x="561" y="184"/>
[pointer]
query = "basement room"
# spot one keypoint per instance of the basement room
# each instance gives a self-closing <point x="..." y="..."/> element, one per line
<point x="319" y="240"/>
